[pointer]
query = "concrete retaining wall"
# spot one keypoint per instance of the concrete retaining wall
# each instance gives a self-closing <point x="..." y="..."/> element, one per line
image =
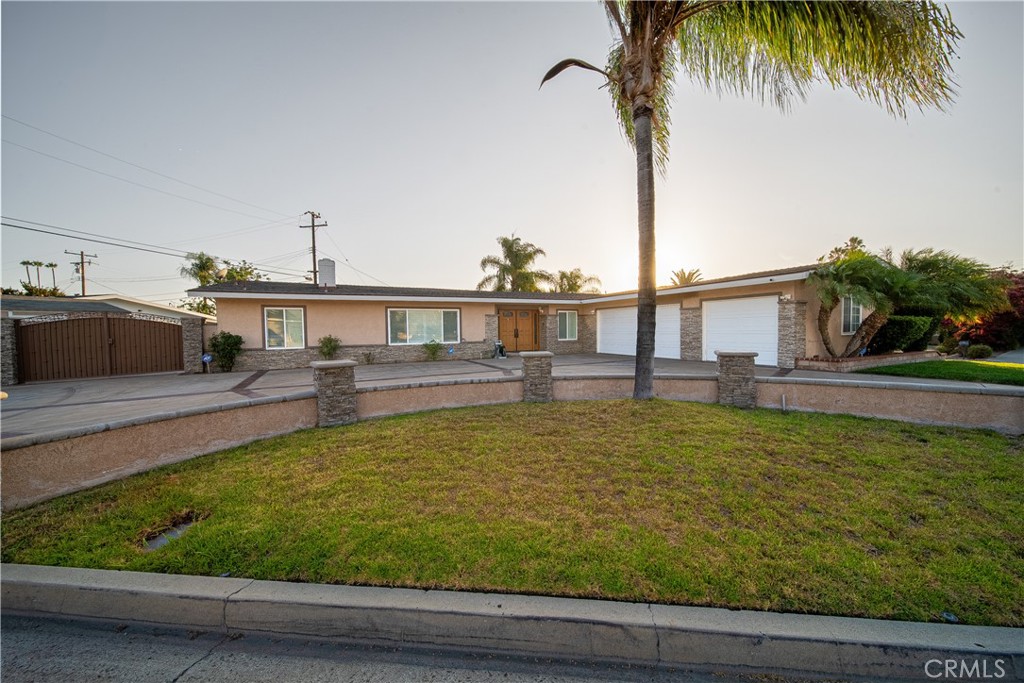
<point x="41" y="471"/>
<point x="36" y="469"/>
<point x="998" y="408"/>
<point x="865" y="362"/>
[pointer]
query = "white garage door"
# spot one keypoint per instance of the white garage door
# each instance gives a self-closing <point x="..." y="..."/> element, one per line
<point x="743" y="325"/>
<point x="616" y="331"/>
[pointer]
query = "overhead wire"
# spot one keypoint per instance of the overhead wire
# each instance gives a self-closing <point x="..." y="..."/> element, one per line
<point x="139" y="166"/>
<point x="130" y="182"/>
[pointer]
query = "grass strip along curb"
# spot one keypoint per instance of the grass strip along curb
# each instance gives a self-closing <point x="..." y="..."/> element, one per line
<point x="652" y="635"/>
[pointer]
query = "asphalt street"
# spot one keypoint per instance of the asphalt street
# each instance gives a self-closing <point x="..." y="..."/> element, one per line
<point x="37" y="650"/>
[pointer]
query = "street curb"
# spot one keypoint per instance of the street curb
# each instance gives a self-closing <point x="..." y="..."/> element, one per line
<point x="652" y="635"/>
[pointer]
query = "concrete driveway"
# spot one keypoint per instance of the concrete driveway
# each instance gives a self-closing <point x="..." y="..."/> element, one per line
<point x="47" y="407"/>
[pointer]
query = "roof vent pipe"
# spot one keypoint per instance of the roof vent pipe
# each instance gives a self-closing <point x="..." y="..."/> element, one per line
<point x="326" y="268"/>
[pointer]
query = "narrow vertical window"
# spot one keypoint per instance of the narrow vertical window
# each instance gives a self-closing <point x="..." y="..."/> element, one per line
<point x="567" y="322"/>
<point x="851" y="315"/>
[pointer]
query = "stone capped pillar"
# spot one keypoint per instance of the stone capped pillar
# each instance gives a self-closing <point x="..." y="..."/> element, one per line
<point x="192" y="344"/>
<point x="537" y="387"/>
<point x="736" y="378"/>
<point x="792" y="332"/>
<point x="335" y="382"/>
<point x="8" y="352"/>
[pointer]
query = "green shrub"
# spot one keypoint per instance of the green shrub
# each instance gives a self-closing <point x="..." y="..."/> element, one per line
<point x="328" y="346"/>
<point x="225" y="347"/>
<point x="898" y="332"/>
<point x="975" y="351"/>
<point x="921" y="343"/>
<point x="433" y="349"/>
<point x="948" y="345"/>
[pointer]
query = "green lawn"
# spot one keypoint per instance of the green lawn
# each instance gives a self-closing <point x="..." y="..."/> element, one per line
<point x="646" y="501"/>
<point x="963" y="370"/>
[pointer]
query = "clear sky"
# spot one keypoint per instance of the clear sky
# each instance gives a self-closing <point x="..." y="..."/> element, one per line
<point x="418" y="132"/>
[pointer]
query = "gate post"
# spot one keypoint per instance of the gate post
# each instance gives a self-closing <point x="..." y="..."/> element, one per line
<point x="8" y="351"/>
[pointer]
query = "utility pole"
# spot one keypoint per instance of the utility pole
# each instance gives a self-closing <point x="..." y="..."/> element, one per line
<point x="80" y="264"/>
<point x="313" y="225"/>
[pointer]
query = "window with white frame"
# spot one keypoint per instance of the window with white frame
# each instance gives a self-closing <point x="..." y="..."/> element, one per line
<point x="284" y="328"/>
<point x="567" y="321"/>
<point x="851" y="315"/>
<point x="422" y="325"/>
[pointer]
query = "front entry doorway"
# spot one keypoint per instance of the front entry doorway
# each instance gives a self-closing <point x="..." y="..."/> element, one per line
<point x="517" y="330"/>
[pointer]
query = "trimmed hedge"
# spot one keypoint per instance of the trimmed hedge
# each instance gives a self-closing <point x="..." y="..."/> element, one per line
<point x="976" y="351"/>
<point x="899" y="332"/>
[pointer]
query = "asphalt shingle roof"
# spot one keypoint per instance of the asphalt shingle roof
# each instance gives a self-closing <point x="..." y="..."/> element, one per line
<point x="272" y="288"/>
<point x="55" y="305"/>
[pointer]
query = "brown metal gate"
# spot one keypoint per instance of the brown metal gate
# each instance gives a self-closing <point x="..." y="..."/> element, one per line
<point x="97" y="345"/>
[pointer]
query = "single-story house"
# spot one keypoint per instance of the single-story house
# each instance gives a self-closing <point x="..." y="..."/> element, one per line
<point x="773" y="313"/>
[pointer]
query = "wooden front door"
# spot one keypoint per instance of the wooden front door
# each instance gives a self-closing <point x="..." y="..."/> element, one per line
<point x="517" y="330"/>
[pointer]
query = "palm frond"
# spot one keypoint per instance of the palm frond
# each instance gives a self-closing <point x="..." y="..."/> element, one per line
<point x="890" y="53"/>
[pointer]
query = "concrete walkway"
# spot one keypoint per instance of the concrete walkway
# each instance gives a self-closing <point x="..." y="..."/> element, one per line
<point x="589" y="630"/>
<point x="43" y="408"/>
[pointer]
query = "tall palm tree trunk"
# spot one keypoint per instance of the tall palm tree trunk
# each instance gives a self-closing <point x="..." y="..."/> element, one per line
<point x="643" y="381"/>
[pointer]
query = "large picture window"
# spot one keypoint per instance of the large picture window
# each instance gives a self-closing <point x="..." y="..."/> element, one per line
<point x="567" y="321"/>
<point x="284" y="328"/>
<point x="422" y="325"/>
<point x="851" y="315"/>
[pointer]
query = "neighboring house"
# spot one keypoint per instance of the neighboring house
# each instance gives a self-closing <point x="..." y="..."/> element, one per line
<point x="773" y="313"/>
<point x="49" y="338"/>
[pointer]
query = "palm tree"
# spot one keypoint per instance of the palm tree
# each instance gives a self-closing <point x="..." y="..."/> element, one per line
<point x="38" y="265"/>
<point x="28" y="275"/>
<point x="53" y="272"/>
<point x="201" y="267"/>
<point x="686" y="277"/>
<point x="573" y="281"/>
<point x="512" y="270"/>
<point x="892" y="53"/>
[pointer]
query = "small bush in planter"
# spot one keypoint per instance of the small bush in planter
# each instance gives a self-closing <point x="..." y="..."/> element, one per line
<point x="433" y="349"/>
<point x="948" y="345"/>
<point x="225" y="347"/>
<point x="975" y="351"/>
<point x="328" y="346"/>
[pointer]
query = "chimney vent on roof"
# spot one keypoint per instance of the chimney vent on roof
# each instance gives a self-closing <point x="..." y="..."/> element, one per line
<point x="326" y="268"/>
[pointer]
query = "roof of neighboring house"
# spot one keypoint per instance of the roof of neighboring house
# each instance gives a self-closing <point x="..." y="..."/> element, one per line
<point x="53" y="304"/>
<point x="271" y="289"/>
<point x="12" y="304"/>
<point x="299" y="290"/>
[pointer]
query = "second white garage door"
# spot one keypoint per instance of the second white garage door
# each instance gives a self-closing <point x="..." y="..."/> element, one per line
<point x="742" y="325"/>
<point x="616" y="331"/>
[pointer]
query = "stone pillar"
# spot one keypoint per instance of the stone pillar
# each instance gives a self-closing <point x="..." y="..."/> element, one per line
<point x="736" y="379"/>
<point x="335" y="382"/>
<point x="192" y="344"/>
<point x="690" y="334"/>
<point x="491" y="327"/>
<point x="792" y="332"/>
<point x="537" y="387"/>
<point x="8" y="352"/>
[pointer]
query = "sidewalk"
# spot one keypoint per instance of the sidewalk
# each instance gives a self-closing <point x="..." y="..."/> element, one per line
<point x="593" y="630"/>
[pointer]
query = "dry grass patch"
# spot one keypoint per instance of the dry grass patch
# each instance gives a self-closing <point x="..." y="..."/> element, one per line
<point x="653" y="501"/>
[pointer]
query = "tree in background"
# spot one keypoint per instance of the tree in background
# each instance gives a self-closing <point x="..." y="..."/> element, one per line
<point x="999" y="329"/>
<point x="892" y="53"/>
<point x="205" y="270"/>
<point x="28" y="276"/>
<point x="686" y="277"/>
<point x="53" y="272"/>
<point x="938" y="282"/>
<point x="574" y="281"/>
<point x="513" y="268"/>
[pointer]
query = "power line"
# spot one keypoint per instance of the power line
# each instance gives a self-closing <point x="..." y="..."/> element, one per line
<point x="148" y="170"/>
<point x="132" y="182"/>
<point x="163" y="251"/>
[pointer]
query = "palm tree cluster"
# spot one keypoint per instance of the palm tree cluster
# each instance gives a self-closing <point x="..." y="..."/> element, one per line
<point x="939" y="283"/>
<point x="892" y="53"/>
<point x="514" y="271"/>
